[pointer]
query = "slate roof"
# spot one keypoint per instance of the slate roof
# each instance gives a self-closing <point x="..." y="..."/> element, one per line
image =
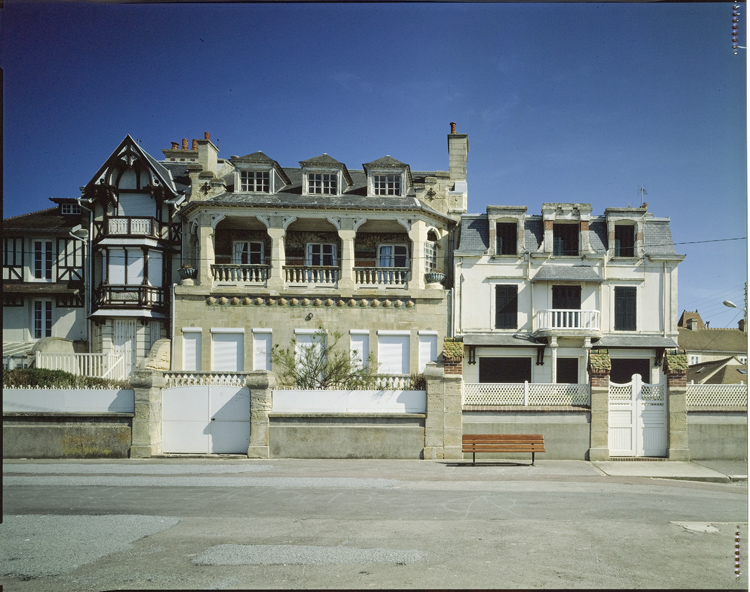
<point x="573" y="273"/>
<point x="713" y="340"/>
<point x="687" y="315"/>
<point x="48" y="221"/>
<point x="500" y="340"/>
<point x="726" y="371"/>
<point x="615" y="341"/>
<point x="475" y="235"/>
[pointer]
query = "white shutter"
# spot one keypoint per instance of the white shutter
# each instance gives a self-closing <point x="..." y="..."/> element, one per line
<point x="262" y="340"/>
<point x="116" y="267"/>
<point x="135" y="267"/>
<point x="360" y="347"/>
<point x="155" y="268"/>
<point x="139" y="206"/>
<point x="228" y="352"/>
<point x="393" y="353"/>
<point x="427" y="349"/>
<point x="191" y="351"/>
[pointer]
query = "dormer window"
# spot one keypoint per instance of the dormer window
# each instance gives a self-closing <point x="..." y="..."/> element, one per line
<point x="507" y="238"/>
<point x="255" y="181"/>
<point x="68" y="209"/>
<point x="322" y="183"/>
<point x="386" y="184"/>
<point x="624" y="240"/>
<point x="565" y="239"/>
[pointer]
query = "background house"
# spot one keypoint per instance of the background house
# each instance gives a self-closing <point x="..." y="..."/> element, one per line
<point x="704" y="344"/>
<point x="44" y="279"/>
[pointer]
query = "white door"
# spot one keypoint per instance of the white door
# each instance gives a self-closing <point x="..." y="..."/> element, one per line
<point x="206" y="419"/>
<point x="124" y="342"/>
<point x="637" y="419"/>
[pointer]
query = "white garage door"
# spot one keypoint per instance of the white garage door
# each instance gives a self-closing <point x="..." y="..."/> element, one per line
<point x="206" y="420"/>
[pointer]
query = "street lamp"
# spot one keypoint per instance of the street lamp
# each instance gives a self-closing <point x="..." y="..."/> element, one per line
<point x="731" y="304"/>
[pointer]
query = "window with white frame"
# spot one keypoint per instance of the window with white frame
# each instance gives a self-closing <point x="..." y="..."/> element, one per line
<point x="191" y="349"/>
<point x="42" y="318"/>
<point x="321" y="254"/>
<point x="262" y="347"/>
<point x="322" y="183"/>
<point x="427" y="348"/>
<point x="68" y="209"/>
<point x="430" y="256"/>
<point x="43" y="260"/>
<point x="393" y="256"/>
<point x="694" y="360"/>
<point x="386" y="184"/>
<point x="393" y="352"/>
<point x="228" y="350"/>
<point x="247" y="253"/>
<point x="255" y="181"/>
<point x="360" y="347"/>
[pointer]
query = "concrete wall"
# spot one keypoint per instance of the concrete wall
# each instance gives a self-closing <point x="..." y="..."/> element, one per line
<point x="566" y="433"/>
<point x="717" y="435"/>
<point x="27" y="435"/>
<point x="346" y="435"/>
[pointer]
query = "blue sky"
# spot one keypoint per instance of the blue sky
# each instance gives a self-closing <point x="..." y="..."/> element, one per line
<point x="561" y="102"/>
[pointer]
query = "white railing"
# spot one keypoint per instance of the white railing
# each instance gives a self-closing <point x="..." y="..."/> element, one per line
<point x="559" y="318"/>
<point x="108" y="365"/>
<point x="245" y="274"/>
<point x="187" y="378"/>
<point x="716" y="395"/>
<point x="378" y="382"/>
<point x="311" y="275"/>
<point x="526" y="394"/>
<point x="141" y="226"/>
<point x="381" y="276"/>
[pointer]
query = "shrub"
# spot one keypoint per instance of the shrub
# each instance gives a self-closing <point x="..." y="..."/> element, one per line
<point x="44" y="378"/>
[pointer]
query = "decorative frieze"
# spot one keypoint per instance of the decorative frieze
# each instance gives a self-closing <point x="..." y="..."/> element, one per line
<point x="307" y="303"/>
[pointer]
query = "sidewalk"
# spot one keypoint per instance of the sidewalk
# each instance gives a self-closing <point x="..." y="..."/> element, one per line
<point x="717" y="471"/>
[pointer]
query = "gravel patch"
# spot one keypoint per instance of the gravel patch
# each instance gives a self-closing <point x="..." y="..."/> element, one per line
<point x="33" y="546"/>
<point x="278" y="482"/>
<point x="302" y="555"/>
<point x="132" y="469"/>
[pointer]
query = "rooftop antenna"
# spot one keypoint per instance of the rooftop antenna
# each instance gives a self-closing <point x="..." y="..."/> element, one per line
<point x="735" y="29"/>
<point x="642" y="191"/>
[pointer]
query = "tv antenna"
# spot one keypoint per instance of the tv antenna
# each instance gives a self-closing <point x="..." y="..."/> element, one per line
<point x="642" y="191"/>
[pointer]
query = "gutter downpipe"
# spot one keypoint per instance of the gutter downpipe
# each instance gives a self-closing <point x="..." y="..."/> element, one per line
<point x="172" y="330"/>
<point x="88" y="285"/>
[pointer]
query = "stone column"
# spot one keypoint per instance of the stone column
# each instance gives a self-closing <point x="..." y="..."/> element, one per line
<point x="260" y="384"/>
<point x="346" y="280"/>
<point x="599" y="369"/>
<point x="146" y="434"/>
<point x="418" y="236"/>
<point x="444" y="422"/>
<point x="675" y="367"/>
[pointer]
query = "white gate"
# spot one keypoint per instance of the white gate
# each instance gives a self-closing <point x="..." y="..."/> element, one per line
<point x="206" y="419"/>
<point x="637" y="419"/>
<point x="124" y="342"/>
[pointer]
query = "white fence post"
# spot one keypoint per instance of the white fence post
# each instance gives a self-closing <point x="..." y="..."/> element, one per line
<point x="525" y="393"/>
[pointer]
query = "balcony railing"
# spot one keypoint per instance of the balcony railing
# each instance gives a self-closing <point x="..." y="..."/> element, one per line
<point x="307" y="274"/>
<point x="133" y="226"/>
<point x="240" y="274"/>
<point x="555" y="319"/>
<point x="382" y="276"/>
<point x="130" y="296"/>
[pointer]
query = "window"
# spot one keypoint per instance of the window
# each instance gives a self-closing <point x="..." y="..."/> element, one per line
<point x="262" y="345"/>
<point x="247" y="253"/>
<point x="567" y="370"/>
<point x="513" y="370"/>
<point x="386" y="184"/>
<point x="42" y="319"/>
<point x="393" y="352"/>
<point x="43" y="260"/>
<point x="694" y="360"/>
<point x="506" y="307"/>
<point x="255" y="181"/>
<point x="322" y="183"/>
<point x="427" y="348"/>
<point x="507" y="238"/>
<point x="360" y="347"/>
<point x="624" y="240"/>
<point x="126" y="267"/>
<point x="321" y="254"/>
<point x="565" y="239"/>
<point x="625" y="309"/>
<point x="67" y="209"/>
<point x="191" y="349"/>
<point x="393" y="256"/>
<point x="13" y="257"/>
<point x="566" y="297"/>
<point x="228" y="350"/>
<point x="430" y="256"/>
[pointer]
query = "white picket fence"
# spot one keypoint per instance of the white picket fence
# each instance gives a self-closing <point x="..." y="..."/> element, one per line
<point x="526" y="394"/>
<point x="707" y="396"/>
<point x="109" y="365"/>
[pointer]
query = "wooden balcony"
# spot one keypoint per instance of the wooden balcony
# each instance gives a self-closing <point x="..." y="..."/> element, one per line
<point x="129" y="296"/>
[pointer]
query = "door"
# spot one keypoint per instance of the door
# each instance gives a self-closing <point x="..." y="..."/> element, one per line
<point x="637" y="419"/>
<point x="124" y="342"/>
<point x="206" y="420"/>
<point x="564" y="300"/>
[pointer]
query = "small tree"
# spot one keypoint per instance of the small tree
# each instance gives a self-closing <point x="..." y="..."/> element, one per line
<point x="321" y="365"/>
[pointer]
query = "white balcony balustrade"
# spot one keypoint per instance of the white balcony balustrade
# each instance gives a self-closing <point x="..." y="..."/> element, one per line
<point x="240" y="274"/>
<point x="131" y="226"/>
<point x="568" y="320"/>
<point x="307" y="274"/>
<point x="382" y="276"/>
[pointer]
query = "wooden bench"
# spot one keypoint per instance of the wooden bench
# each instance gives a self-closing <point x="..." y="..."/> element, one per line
<point x="503" y="443"/>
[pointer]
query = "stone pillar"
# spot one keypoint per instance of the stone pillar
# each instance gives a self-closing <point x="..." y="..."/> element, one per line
<point x="346" y="280"/>
<point x="599" y="369"/>
<point x="146" y="434"/>
<point x="444" y="422"/>
<point x="260" y="384"/>
<point x="675" y="367"/>
<point x="418" y="236"/>
<point x="276" y="278"/>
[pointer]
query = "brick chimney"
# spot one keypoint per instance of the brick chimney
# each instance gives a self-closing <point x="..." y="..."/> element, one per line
<point x="184" y="144"/>
<point x="458" y="154"/>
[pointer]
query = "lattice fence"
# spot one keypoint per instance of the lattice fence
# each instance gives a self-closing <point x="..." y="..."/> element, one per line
<point x="525" y="394"/>
<point x="205" y="378"/>
<point x="711" y="396"/>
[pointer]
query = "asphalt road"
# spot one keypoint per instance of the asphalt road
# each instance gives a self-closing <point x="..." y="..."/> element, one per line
<point x="241" y="524"/>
